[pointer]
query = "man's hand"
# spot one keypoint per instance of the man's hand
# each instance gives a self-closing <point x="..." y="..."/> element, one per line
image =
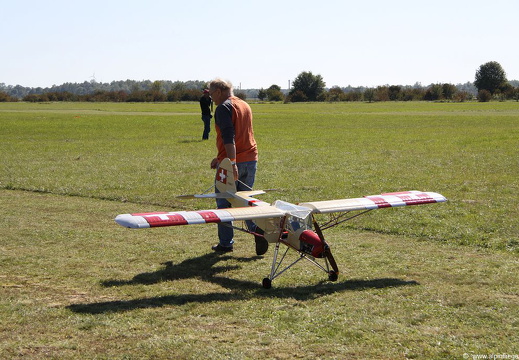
<point x="214" y="163"/>
<point x="235" y="171"/>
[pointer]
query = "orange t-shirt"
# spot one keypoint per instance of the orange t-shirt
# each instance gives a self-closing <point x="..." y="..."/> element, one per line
<point x="233" y="124"/>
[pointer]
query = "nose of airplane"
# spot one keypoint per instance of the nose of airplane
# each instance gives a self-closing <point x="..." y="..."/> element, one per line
<point x="311" y="243"/>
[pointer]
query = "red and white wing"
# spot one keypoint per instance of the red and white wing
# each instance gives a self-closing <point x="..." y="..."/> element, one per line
<point x="157" y="219"/>
<point x="375" y="202"/>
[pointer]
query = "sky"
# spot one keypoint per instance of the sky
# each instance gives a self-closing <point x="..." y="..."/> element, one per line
<point x="256" y="44"/>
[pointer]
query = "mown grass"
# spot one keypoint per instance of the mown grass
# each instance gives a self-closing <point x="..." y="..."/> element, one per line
<point x="141" y="153"/>
<point x="435" y="281"/>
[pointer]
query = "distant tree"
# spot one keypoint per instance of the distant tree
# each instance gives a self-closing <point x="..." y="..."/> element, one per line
<point x="242" y="95"/>
<point x="262" y="94"/>
<point x="434" y="92"/>
<point x="490" y="76"/>
<point x="382" y="93"/>
<point x="157" y="86"/>
<point x="515" y="94"/>
<point x="449" y="90"/>
<point x="355" y="95"/>
<point x="413" y="93"/>
<point x="468" y="87"/>
<point x="335" y="94"/>
<point x="507" y="91"/>
<point x="369" y="95"/>
<point x="312" y="86"/>
<point x="137" y="96"/>
<point x="33" y="98"/>
<point x="190" y="95"/>
<point x="274" y="93"/>
<point x="394" y="92"/>
<point x="173" y="96"/>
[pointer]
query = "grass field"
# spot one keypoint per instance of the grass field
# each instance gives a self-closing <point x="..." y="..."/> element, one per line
<point x="436" y="281"/>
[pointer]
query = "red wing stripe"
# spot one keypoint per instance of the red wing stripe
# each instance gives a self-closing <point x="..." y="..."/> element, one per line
<point x="186" y="217"/>
<point x="256" y="202"/>
<point x="417" y="199"/>
<point x="379" y="201"/>
<point x="167" y="219"/>
<point x="401" y="199"/>
<point x="209" y="216"/>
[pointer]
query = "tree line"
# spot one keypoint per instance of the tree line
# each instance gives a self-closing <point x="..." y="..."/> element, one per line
<point x="118" y="91"/>
<point x="490" y="84"/>
<point x="434" y="92"/>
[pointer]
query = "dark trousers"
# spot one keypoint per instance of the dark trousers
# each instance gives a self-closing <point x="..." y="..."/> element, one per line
<point x="207" y="126"/>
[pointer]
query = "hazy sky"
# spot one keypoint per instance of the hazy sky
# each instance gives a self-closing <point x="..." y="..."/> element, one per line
<point x="256" y="43"/>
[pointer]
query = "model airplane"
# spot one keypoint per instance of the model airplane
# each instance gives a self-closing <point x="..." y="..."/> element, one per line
<point x="281" y="222"/>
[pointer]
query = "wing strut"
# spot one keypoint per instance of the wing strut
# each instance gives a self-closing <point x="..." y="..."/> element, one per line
<point x="339" y="219"/>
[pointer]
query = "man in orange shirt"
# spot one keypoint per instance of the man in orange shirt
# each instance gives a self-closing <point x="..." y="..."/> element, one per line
<point x="234" y="140"/>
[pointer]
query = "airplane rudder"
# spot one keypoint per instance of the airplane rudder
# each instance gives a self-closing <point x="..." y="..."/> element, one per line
<point x="225" y="181"/>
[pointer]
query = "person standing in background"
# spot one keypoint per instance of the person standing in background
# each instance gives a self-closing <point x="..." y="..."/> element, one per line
<point x="206" y="105"/>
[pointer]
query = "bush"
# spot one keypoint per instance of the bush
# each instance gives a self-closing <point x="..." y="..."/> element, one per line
<point x="382" y="93"/>
<point x="298" y="96"/>
<point x="35" y="98"/>
<point x="5" y="97"/>
<point x="462" y="96"/>
<point x="515" y="94"/>
<point x="434" y="92"/>
<point x="484" y="95"/>
<point x="413" y="94"/>
<point x="275" y="94"/>
<point x="241" y="95"/>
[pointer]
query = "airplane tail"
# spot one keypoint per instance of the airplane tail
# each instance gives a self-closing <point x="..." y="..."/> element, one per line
<point x="226" y="187"/>
<point x="225" y="181"/>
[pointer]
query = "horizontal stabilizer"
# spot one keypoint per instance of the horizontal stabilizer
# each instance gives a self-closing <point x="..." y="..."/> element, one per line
<point x="206" y="196"/>
<point x="224" y="195"/>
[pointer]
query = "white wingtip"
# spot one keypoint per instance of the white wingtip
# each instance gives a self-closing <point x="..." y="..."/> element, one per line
<point x="132" y="221"/>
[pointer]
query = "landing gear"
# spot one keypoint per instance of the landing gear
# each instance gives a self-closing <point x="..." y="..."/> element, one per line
<point x="277" y="269"/>
<point x="297" y="234"/>
<point x="267" y="283"/>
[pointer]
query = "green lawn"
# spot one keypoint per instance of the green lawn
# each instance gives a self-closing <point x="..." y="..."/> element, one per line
<point x="436" y="281"/>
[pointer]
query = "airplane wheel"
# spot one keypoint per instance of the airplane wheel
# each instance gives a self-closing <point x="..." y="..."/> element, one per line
<point x="333" y="276"/>
<point x="267" y="283"/>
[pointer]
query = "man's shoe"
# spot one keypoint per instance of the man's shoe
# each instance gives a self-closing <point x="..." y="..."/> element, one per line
<point x="262" y="245"/>
<point x="221" y="249"/>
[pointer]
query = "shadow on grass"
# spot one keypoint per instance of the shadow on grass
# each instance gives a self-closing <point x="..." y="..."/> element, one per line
<point x="189" y="141"/>
<point x="204" y="268"/>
